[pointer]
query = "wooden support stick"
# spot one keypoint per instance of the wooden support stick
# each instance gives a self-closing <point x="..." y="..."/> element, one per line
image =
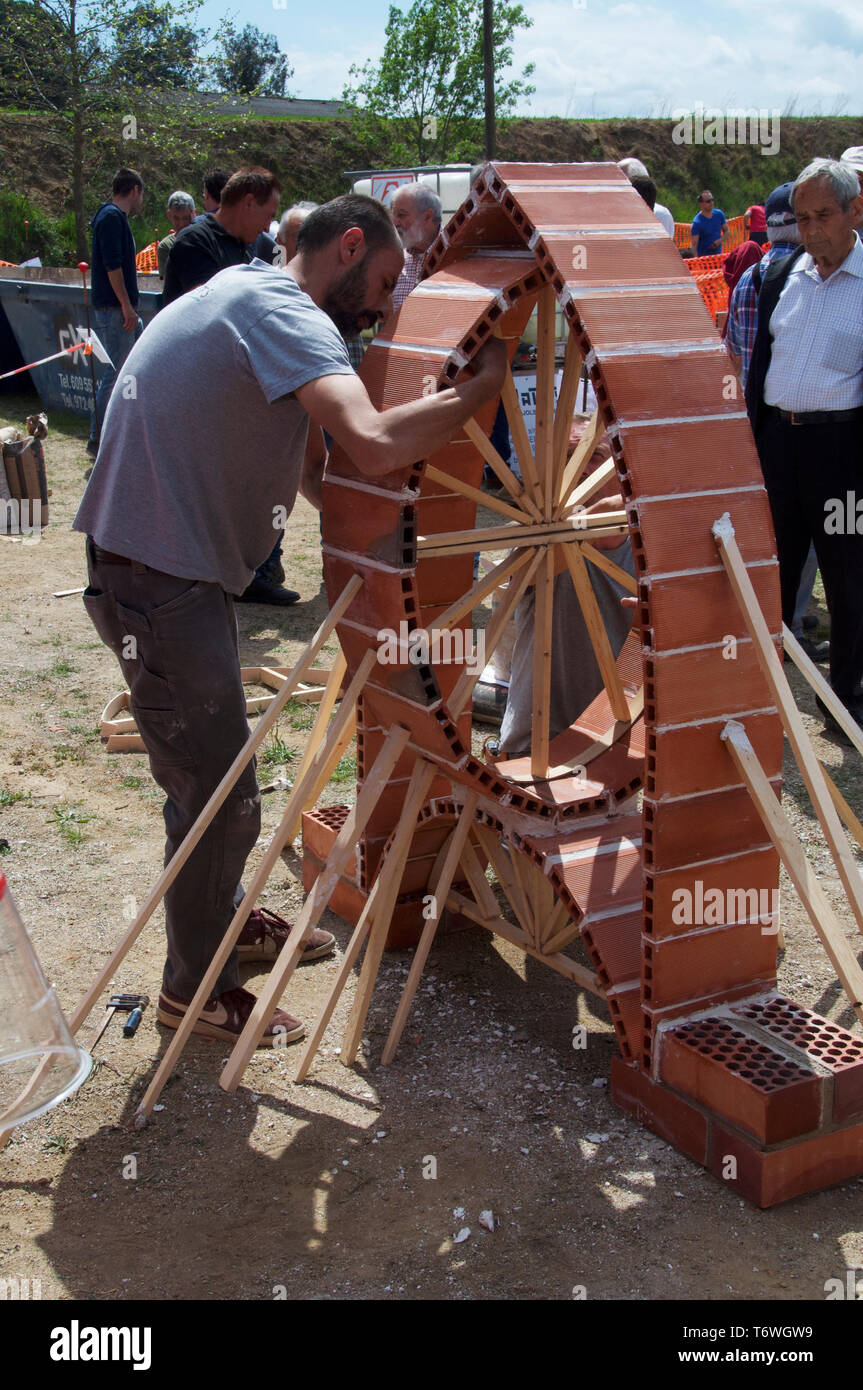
<point x="545" y="397"/>
<point x="491" y="581"/>
<point x="463" y="688"/>
<point x="482" y="499"/>
<point x="822" y="688"/>
<point x="322" y="718"/>
<point x="245" y="755"/>
<point x="602" y="562"/>
<point x="318" y="771"/>
<point x="781" y="832"/>
<point x="582" y="455"/>
<point x="391" y="874"/>
<point x="521" y="440"/>
<point x="562" y="936"/>
<point x="542" y="632"/>
<point x="590" y="485"/>
<point x="439" y="886"/>
<point x="597" y="633"/>
<point x="585" y="979"/>
<point x="843" y="808"/>
<point x="578" y="528"/>
<point x="501" y="470"/>
<point x="810" y="771"/>
<point x="502" y="863"/>
<point x="565" y="409"/>
<point x="325" y="884"/>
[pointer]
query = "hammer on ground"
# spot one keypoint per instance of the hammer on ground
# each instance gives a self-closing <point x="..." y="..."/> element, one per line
<point x="135" y="1004"/>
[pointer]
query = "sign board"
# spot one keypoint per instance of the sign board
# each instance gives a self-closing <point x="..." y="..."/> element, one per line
<point x="385" y="184"/>
<point x="525" y="385"/>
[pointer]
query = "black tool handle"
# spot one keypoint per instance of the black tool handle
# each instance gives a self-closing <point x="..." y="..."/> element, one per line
<point x="130" y="1027"/>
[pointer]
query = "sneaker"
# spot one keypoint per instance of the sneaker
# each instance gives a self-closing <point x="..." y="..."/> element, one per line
<point x="271" y="571"/>
<point x="810" y="621"/>
<point x="816" y="651"/>
<point x="226" y="1015"/>
<point x="265" y="933"/>
<point x="92" y="447"/>
<point x="259" y="591"/>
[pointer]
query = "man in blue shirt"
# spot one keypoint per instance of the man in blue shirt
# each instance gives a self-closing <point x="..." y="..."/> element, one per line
<point x="709" y="229"/>
<point x="114" y="286"/>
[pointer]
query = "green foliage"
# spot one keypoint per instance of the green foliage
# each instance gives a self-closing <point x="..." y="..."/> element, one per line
<point x="251" y="62"/>
<point x="276" y="753"/>
<point x="430" y="77"/>
<point x="150" y="50"/>
<point x="44" y="237"/>
<point x="8" y="798"/>
<point x="345" y="770"/>
<point x="69" y="821"/>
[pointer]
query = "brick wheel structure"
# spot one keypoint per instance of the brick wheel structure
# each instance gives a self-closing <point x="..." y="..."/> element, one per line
<point x="710" y="1056"/>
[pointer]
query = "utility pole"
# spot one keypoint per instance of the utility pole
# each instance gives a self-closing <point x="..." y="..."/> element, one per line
<point x="488" y="72"/>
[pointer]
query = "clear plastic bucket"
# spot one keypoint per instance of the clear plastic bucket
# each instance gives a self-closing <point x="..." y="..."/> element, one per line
<point x="40" y="1065"/>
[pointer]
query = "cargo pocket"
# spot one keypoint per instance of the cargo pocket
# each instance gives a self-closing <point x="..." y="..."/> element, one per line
<point x="102" y="612"/>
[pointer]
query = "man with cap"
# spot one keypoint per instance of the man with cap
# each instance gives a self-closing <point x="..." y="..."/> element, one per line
<point x="804" y="394"/>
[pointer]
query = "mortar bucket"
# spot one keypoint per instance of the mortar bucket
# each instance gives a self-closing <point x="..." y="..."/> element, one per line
<point x="40" y="1064"/>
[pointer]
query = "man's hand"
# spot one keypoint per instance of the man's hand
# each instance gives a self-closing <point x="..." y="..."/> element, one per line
<point x="130" y="317"/>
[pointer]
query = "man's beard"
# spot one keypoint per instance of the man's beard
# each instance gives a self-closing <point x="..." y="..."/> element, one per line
<point x="345" y="301"/>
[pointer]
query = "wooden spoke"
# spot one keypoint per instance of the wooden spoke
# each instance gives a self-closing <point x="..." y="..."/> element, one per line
<point x="507" y="537"/>
<point x="570" y="969"/>
<point x="542" y="628"/>
<point x="546" y="306"/>
<point x="482" y="499"/>
<point x="585" y="758"/>
<point x="565" y="409"/>
<point x="557" y="920"/>
<point x="602" y="562"/>
<point x="501" y="863"/>
<point x="582" y="492"/>
<point x="521" y="439"/>
<point x="596" y="632"/>
<point x="519" y="872"/>
<point x="567" y="932"/>
<point x="480" y="590"/>
<point x="467" y="680"/>
<point x="501" y="470"/>
<point x="479" y="884"/>
<point x="579" y="461"/>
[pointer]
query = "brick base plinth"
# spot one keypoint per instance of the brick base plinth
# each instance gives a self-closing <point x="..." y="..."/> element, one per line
<point x="765" y="1094"/>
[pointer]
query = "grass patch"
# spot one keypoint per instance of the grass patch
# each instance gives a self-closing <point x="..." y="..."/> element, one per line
<point x="345" y="770"/>
<point x="276" y="753"/>
<point x="300" y="714"/>
<point x="56" y="1144"/>
<point x="63" y="667"/>
<point x="8" y="798"/>
<point x="132" y="782"/>
<point x="69" y="821"/>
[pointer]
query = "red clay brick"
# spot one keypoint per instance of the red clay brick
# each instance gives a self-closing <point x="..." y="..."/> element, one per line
<point x="708" y="961"/>
<point x="767" y="1177"/>
<point x="746" y="1082"/>
<point x="668" y="1115"/>
<point x="756" y="871"/>
<point x="816" y="1037"/>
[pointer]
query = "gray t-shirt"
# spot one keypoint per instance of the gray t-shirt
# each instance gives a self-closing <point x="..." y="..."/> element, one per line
<point x="203" y="440"/>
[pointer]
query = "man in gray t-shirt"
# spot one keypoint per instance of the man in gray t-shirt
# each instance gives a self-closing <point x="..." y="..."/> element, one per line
<point x="214" y="427"/>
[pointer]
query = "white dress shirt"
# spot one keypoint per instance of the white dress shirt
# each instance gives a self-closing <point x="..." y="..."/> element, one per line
<point x="817" y="333"/>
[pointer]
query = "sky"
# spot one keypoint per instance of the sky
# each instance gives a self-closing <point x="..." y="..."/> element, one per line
<point x="613" y="57"/>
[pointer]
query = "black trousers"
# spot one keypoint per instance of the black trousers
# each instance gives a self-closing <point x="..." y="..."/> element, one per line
<point x="806" y="468"/>
<point x="176" y="641"/>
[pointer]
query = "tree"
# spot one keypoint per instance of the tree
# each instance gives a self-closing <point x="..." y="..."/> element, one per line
<point x="252" y="63"/>
<point x="65" y="56"/>
<point x="431" y="74"/>
<point x="151" y="51"/>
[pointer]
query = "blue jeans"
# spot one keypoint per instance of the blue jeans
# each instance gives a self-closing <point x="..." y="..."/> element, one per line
<point x="108" y="324"/>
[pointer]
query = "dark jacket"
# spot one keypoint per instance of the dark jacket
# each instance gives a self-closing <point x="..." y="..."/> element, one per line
<point x="772" y="285"/>
<point x="198" y="253"/>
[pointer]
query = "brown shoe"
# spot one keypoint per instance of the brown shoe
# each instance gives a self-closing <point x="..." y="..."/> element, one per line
<point x="226" y="1015"/>
<point x="265" y="933"/>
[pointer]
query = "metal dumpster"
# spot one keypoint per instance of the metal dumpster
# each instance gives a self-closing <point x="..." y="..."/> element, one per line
<point x="44" y="308"/>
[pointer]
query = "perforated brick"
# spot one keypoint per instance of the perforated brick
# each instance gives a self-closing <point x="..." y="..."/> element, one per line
<point x="834" y="1047"/>
<point x="746" y="1081"/>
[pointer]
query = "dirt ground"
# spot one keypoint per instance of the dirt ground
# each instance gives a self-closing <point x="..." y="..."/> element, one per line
<point x="321" y="1191"/>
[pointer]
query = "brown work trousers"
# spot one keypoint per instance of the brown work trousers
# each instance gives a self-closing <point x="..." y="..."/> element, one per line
<point x="176" y="641"/>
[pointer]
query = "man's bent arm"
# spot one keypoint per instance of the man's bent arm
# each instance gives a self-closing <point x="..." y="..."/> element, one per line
<point x="314" y="463"/>
<point x="381" y="441"/>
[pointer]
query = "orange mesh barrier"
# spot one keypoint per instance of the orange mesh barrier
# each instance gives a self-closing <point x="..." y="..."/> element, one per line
<point x="7" y="262"/>
<point x="147" y="260"/>
<point x="707" y="273"/>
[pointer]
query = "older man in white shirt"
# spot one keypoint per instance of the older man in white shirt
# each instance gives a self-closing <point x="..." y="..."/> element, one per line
<point x="804" y="393"/>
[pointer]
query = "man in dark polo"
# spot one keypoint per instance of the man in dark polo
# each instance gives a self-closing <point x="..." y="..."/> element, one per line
<point x="222" y="238"/>
<point x="804" y="394"/>
<point x="234" y="382"/>
<point x="114" y="286"/>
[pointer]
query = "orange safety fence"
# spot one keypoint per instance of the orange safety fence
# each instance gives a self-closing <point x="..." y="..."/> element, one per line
<point x="7" y="263"/>
<point x="683" y="234"/>
<point x="147" y="260"/>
